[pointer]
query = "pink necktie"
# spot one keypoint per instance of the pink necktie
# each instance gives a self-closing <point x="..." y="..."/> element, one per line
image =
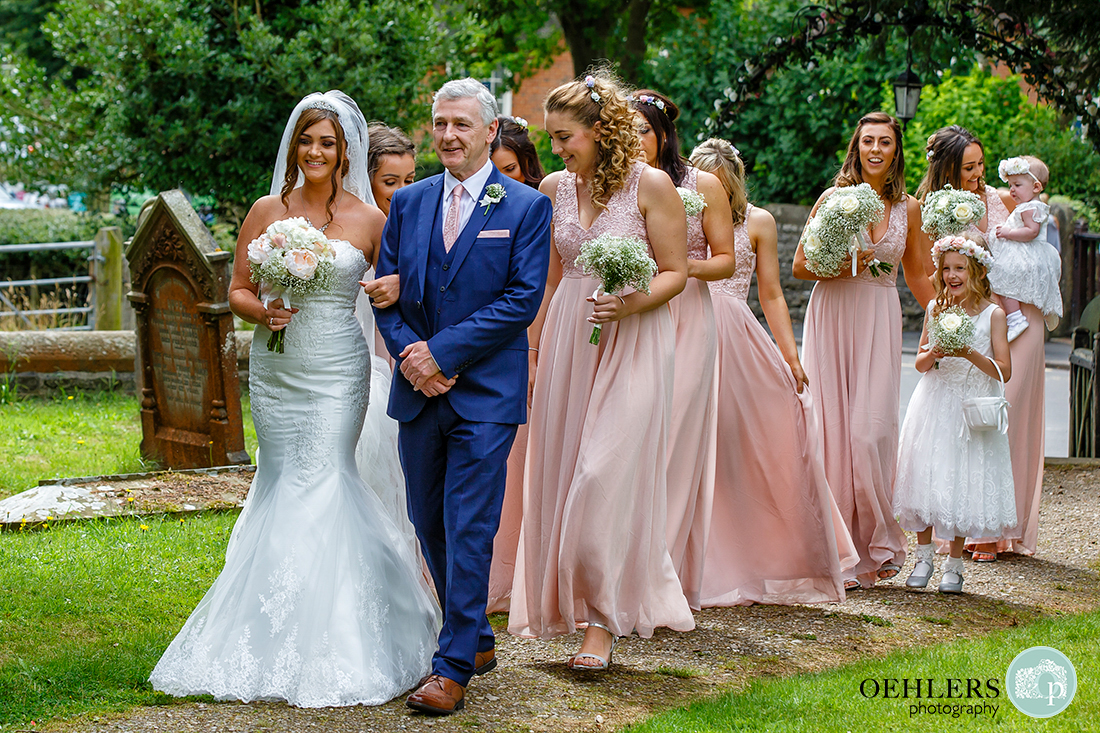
<point x="450" y="224"/>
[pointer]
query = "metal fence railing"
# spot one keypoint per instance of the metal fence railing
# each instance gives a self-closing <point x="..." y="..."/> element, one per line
<point x="12" y="310"/>
<point x="1086" y="273"/>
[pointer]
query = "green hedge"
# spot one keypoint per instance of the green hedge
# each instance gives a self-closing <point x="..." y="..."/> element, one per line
<point x="24" y="226"/>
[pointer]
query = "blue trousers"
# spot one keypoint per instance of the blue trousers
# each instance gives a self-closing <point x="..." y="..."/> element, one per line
<point x="455" y="473"/>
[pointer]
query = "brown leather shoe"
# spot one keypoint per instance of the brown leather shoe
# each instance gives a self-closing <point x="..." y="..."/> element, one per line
<point x="485" y="662"/>
<point x="438" y="696"/>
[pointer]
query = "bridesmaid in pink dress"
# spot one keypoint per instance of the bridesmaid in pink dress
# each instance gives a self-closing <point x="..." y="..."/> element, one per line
<point x="592" y="546"/>
<point x="515" y="156"/>
<point x="776" y="526"/>
<point x="691" y="443"/>
<point x="851" y="347"/>
<point x="956" y="157"/>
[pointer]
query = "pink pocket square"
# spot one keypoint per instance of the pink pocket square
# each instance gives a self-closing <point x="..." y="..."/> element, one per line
<point x="494" y="234"/>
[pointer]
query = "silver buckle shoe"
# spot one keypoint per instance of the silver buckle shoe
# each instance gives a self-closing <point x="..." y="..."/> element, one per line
<point x="951" y="582"/>
<point x="922" y="573"/>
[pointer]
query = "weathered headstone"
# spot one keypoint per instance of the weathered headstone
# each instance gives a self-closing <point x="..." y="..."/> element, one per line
<point x="186" y="352"/>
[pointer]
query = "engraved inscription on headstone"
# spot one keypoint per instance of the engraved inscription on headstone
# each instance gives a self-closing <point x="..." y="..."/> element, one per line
<point x="187" y="357"/>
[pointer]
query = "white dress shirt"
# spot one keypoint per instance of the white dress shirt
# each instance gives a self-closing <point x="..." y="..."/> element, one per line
<point x="472" y="189"/>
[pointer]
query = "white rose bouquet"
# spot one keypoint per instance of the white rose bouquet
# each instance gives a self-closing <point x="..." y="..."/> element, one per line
<point x="290" y="257"/>
<point x="952" y="330"/>
<point x="950" y="211"/>
<point x="836" y="230"/>
<point x="617" y="262"/>
<point x="694" y="203"/>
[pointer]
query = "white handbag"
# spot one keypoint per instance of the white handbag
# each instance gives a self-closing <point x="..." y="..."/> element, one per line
<point x="986" y="413"/>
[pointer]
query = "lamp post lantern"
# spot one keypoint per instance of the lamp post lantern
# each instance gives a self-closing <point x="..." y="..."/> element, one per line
<point x="907" y="88"/>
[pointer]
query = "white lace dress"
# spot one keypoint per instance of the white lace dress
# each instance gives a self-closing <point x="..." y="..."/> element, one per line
<point x="1028" y="271"/>
<point x="321" y="602"/>
<point x="949" y="477"/>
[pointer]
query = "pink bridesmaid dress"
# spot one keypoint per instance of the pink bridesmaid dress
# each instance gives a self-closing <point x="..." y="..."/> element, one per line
<point x="1026" y="413"/>
<point x="592" y="544"/>
<point x="851" y="351"/>
<point x="775" y="526"/>
<point x="507" y="537"/>
<point x="691" y="446"/>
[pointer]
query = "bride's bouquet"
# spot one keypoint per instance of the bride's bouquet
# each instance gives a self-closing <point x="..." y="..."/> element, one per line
<point x="617" y="262"/>
<point x="952" y="330"/>
<point x="836" y="230"/>
<point x="949" y="211"/>
<point x="290" y="257"/>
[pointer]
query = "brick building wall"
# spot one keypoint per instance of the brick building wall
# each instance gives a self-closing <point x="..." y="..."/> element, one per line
<point x="527" y="99"/>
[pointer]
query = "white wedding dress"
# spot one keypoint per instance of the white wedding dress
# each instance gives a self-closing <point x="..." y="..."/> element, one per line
<point x="321" y="601"/>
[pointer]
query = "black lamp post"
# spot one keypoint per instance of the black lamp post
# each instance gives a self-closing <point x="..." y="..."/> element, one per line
<point x="907" y="89"/>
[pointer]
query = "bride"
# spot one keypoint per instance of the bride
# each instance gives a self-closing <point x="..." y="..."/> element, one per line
<point x="321" y="601"/>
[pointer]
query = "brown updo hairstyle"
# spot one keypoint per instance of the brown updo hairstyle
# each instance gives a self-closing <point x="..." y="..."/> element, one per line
<point x="309" y="117"/>
<point x="385" y="140"/>
<point x="721" y="158"/>
<point x="514" y="137"/>
<point x="977" y="280"/>
<point x="663" y="124"/>
<point x="618" y="146"/>
<point x="944" y="152"/>
<point x="851" y="172"/>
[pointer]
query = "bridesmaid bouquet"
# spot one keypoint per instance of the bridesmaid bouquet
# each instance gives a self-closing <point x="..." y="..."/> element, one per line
<point x="952" y="330"/>
<point x="290" y="257"/>
<point x="836" y="230"/>
<point x="617" y="262"/>
<point x="694" y="203"/>
<point x="950" y="211"/>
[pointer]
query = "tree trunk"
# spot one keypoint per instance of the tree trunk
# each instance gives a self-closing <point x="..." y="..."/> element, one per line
<point x="633" y="55"/>
<point x="575" y="28"/>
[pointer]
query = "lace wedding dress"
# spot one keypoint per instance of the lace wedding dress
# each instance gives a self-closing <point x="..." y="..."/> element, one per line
<point x="321" y="601"/>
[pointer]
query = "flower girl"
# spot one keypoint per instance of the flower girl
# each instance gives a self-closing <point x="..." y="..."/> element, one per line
<point x="951" y="477"/>
<point x="1028" y="267"/>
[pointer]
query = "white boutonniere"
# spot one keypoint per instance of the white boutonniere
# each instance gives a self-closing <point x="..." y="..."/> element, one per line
<point x="494" y="194"/>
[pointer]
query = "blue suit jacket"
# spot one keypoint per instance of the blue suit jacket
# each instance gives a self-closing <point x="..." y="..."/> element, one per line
<point x="494" y="288"/>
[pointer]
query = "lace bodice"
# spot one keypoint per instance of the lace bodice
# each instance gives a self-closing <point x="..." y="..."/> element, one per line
<point x="891" y="247"/>
<point x="995" y="213"/>
<point x="1040" y="212"/>
<point x="953" y="370"/>
<point x="697" y="241"/>
<point x="319" y="314"/>
<point x="621" y="218"/>
<point x="737" y="285"/>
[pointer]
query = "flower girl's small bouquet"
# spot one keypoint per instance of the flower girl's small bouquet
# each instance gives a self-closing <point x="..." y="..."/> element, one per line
<point x="952" y="330"/>
<point x="836" y="230"/>
<point x="290" y="257"/>
<point x="950" y="211"/>
<point x="694" y="203"/>
<point x="617" y="262"/>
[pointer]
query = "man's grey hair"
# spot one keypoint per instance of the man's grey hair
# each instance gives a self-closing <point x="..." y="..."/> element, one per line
<point x="468" y="87"/>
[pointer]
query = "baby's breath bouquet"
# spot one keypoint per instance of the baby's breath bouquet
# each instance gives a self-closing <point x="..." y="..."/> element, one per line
<point x="290" y="257"/>
<point x="617" y="262"/>
<point x="836" y="230"/>
<point x="950" y="211"/>
<point x="952" y="330"/>
<point x="694" y="203"/>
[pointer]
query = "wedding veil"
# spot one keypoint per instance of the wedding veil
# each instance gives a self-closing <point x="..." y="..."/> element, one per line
<point x="354" y="125"/>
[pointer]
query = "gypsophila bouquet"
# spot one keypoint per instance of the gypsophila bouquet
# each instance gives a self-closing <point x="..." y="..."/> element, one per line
<point x="952" y="330"/>
<point x="617" y="262"/>
<point x="836" y="230"/>
<point x="950" y="211"/>
<point x="694" y="203"/>
<point x="290" y="257"/>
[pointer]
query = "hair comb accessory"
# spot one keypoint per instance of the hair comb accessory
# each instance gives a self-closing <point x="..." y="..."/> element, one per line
<point x="322" y="104"/>
<point x="963" y="246"/>
<point x="1015" y="167"/>
<point x="520" y="121"/>
<point x="928" y="155"/>
<point x="590" y="82"/>
<point x="648" y="99"/>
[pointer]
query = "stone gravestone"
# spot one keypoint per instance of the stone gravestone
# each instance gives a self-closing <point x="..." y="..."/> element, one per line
<point x="186" y="352"/>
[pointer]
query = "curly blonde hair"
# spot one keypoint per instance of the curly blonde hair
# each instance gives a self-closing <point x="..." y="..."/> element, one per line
<point x="977" y="281"/>
<point x="618" y="144"/>
<point x="722" y="159"/>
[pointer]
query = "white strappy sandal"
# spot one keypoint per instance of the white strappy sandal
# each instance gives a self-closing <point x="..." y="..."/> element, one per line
<point x="603" y="665"/>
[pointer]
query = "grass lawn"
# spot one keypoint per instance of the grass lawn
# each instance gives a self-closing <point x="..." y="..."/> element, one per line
<point x="83" y="434"/>
<point x="86" y="609"/>
<point x="831" y="701"/>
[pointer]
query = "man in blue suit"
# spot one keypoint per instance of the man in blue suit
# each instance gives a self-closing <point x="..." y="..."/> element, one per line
<point x="472" y="249"/>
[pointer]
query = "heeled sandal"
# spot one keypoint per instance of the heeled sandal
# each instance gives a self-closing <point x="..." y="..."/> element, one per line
<point x="888" y="570"/>
<point x="604" y="664"/>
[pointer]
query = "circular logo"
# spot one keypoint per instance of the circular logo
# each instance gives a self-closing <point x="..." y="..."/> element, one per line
<point x="1041" y="682"/>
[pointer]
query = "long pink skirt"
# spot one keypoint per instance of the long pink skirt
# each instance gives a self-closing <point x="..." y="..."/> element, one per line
<point x="851" y="350"/>
<point x="1026" y="433"/>
<point x="691" y="445"/>
<point x="507" y="537"/>
<point x="775" y="525"/>
<point x="592" y="545"/>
